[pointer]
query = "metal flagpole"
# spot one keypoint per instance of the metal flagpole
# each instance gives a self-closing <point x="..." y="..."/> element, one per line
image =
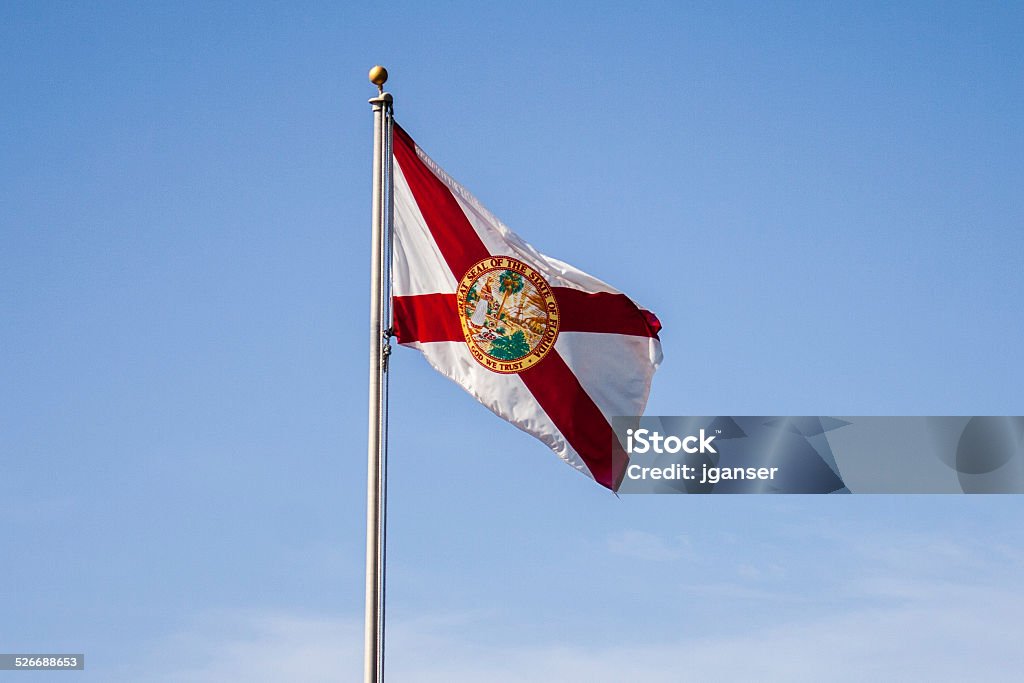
<point x="373" y="652"/>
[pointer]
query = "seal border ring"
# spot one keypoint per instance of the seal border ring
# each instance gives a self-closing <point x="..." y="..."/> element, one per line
<point x="524" y="362"/>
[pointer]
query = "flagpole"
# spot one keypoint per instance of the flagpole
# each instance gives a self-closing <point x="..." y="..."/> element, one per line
<point x="373" y="651"/>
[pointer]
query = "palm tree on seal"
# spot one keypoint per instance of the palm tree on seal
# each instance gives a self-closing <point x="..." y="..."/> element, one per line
<point x="509" y="282"/>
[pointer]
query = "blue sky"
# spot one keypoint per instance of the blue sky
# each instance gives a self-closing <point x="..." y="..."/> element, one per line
<point x="821" y="202"/>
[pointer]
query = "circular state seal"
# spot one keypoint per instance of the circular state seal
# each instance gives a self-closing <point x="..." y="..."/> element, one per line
<point x="509" y="314"/>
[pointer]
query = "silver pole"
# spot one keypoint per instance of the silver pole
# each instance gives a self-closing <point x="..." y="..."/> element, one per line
<point x="373" y="652"/>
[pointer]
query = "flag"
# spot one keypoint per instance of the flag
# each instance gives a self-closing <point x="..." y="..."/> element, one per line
<point x="554" y="351"/>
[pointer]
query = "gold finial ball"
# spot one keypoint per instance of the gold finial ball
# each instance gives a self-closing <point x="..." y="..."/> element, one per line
<point x="378" y="76"/>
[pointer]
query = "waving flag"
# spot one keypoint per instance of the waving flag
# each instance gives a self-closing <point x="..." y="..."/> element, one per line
<point x="543" y="345"/>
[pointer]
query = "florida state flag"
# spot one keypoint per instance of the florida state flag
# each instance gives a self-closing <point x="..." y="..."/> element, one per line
<point x="545" y="346"/>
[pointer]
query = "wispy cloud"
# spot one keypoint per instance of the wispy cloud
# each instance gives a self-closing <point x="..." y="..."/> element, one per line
<point x="890" y="624"/>
<point x="643" y="545"/>
<point x="760" y="572"/>
<point x="968" y="636"/>
<point x="258" y="648"/>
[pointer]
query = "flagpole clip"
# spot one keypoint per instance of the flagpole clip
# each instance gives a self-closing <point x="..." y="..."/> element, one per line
<point x="385" y="349"/>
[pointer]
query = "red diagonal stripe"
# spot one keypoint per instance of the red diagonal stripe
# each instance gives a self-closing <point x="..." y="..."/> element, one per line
<point x="581" y="422"/>
<point x="426" y="318"/>
<point x="452" y="232"/>
<point x="604" y="312"/>
<point x="435" y="317"/>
